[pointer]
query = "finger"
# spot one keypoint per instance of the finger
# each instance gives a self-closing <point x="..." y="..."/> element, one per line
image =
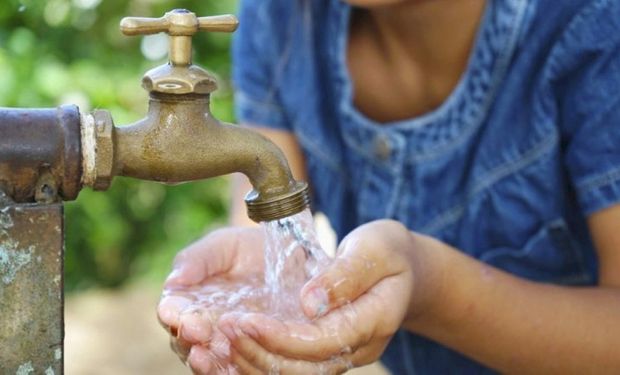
<point x="211" y="255"/>
<point x="200" y="360"/>
<point x="289" y="339"/>
<point x="170" y="309"/>
<point x="248" y="355"/>
<point x="360" y="264"/>
<point x="196" y="325"/>
<point x="208" y="256"/>
<point x="310" y="342"/>
<point x="220" y="345"/>
<point x="365" y="355"/>
<point x="243" y="367"/>
<point x="251" y="358"/>
<point x="372" y="316"/>
<point x="180" y="347"/>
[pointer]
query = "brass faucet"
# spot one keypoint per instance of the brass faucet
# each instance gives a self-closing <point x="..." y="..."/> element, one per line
<point x="48" y="155"/>
<point x="179" y="140"/>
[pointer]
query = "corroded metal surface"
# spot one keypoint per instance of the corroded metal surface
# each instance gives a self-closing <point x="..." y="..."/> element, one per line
<point x="97" y="150"/>
<point x="31" y="289"/>
<point x="40" y="153"/>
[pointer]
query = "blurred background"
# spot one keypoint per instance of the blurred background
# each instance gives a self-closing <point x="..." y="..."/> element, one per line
<point x="119" y="244"/>
<point x="72" y="52"/>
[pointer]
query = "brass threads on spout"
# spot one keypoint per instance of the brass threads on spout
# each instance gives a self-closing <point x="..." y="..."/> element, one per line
<point x="280" y="206"/>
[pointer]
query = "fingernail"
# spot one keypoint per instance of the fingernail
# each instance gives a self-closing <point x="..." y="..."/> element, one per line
<point x="317" y="301"/>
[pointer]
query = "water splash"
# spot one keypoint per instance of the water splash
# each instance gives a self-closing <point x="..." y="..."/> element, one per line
<point x="292" y="256"/>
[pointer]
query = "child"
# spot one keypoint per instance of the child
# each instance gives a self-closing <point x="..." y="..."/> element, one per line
<point x="488" y="132"/>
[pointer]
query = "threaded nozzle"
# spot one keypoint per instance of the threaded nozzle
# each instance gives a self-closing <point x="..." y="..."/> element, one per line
<point x="278" y="207"/>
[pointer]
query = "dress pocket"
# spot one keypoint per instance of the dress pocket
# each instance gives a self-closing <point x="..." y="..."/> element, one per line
<point x="551" y="255"/>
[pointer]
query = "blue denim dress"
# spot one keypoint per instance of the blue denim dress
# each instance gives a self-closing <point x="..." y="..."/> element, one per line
<point x="507" y="169"/>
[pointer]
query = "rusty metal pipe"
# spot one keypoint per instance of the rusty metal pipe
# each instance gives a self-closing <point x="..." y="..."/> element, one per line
<point x="31" y="288"/>
<point x="40" y="154"/>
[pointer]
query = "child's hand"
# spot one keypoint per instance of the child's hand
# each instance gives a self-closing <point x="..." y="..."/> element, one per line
<point x="359" y="302"/>
<point x="231" y="255"/>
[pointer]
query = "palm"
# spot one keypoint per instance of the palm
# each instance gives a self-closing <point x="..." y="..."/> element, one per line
<point x="221" y="273"/>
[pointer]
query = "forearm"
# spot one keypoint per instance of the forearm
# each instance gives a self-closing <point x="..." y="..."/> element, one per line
<point x="512" y="324"/>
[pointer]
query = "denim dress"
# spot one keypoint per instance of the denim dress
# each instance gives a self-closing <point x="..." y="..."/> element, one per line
<point x="507" y="169"/>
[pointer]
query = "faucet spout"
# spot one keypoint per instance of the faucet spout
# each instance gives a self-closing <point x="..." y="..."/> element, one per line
<point x="179" y="140"/>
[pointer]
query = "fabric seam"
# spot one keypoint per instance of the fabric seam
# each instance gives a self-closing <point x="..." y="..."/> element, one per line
<point x="493" y="177"/>
<point x="599" y="181"/>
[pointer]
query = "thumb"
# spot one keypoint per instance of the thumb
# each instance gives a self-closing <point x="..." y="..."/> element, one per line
<point x="209" y="256"/>
<point x="359" y="266"/>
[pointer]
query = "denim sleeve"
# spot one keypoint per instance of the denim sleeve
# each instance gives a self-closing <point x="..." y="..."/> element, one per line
<point x="255" y="60"/>
<point x="590" y="105"/>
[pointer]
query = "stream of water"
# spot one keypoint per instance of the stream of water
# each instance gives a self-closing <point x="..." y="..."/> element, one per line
<point x="292" y="256"/>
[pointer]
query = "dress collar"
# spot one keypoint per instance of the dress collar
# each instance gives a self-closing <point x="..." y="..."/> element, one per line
<point x="467" y="105"/>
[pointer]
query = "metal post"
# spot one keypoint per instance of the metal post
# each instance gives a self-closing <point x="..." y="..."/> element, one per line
<point x="31" y="289"/>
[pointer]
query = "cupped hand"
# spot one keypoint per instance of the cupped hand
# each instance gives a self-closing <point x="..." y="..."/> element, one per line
<point x="210" y="273"/>
<point x="356" y="305"/>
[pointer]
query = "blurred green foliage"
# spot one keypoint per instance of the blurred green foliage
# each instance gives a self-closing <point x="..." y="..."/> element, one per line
<point x="71" y="51"/>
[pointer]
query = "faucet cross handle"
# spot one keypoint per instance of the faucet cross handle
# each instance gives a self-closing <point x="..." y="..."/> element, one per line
<point x="181" y="25"/>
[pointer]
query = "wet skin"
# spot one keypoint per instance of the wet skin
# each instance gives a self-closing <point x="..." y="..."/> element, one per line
<point x="335" y="302"/>
<point x="433" y="290"/>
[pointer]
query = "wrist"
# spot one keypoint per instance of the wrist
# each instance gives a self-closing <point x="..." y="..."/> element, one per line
<point x="429" y="262"/>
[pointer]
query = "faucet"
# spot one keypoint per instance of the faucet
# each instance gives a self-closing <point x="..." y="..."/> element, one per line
<point x="179" y="140"/>
<point x="49" y="155"/>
